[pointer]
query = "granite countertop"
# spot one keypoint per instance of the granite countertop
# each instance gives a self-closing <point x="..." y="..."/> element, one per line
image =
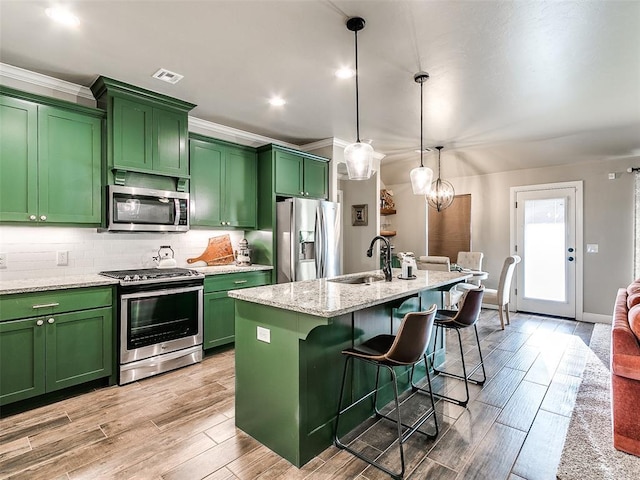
<point x="231" y="268"/>
<point x="42" y="284"/>
<point x="325" y="298"/>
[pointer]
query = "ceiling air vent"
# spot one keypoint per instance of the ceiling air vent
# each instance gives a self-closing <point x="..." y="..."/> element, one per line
<point x="167" y="76"/>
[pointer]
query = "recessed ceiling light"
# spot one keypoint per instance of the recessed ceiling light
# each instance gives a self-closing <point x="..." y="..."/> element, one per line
<point x="63" y="16"/>
<point x="167" y="76"/>
<point x="345" y="72"/>
<point x="277" y="101"/>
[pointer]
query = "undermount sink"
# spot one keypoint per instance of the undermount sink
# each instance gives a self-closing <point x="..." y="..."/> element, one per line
<point x="359" y="280"/>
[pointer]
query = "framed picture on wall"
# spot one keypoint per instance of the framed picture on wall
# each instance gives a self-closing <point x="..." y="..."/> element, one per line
<point x="359" y="216"/>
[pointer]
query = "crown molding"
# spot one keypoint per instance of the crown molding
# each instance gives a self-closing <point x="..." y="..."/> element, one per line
<point x="234" y="134"/>
<point x="38" y="79"/>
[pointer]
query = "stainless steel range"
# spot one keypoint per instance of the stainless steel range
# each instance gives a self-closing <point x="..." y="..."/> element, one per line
<point x="160" y="319"/>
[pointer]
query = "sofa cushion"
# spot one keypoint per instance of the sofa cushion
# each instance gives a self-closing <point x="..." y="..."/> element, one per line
<point x="634" y="320"/>
<point x="633" y="288"/>
<point x="632" y="300"/>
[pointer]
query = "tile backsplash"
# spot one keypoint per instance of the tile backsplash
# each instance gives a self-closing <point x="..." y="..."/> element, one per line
<point x="32" y="251"/>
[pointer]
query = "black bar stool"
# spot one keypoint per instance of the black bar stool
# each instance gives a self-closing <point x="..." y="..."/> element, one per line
<point x="456" y="320"/>
<point x="406" y="348"/>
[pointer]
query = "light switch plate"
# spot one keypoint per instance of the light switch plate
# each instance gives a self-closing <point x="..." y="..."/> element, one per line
<point x="592" y="248"/>
<point x="264" y="334"/>
<point x="3" y="260"/>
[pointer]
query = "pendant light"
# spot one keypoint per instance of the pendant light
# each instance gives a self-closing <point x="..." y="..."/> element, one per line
<point x="421" y="176"/>
<point x="442" y="192"/>
<point x="358" y="156"/>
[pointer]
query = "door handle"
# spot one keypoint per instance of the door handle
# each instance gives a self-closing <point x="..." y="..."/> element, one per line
<point x="570" y="259"/>
<point x="570" y="250"/>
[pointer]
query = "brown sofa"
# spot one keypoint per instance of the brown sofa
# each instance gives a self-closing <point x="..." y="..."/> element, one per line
<point x="625" y="369"/>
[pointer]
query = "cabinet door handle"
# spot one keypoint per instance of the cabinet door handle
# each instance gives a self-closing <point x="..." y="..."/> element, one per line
<point x="43" y="217"/>
<point x="240" y="281"/>
<point x="32" y="218"/>
<point x="45" y="305"/>
<point x="306" y="194"/>
<point x="51" y="320"/>
<point x="40" y="323"/>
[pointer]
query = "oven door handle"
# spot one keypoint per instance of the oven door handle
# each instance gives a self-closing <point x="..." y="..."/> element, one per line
<point x="164" y="291"/>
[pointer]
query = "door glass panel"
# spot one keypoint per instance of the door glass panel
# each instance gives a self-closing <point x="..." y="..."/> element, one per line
<point x="162" y="318"/>
<point x="544" y="249"/>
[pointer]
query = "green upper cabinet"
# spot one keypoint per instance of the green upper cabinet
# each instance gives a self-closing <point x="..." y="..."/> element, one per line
<point x="223" y="184"/>
<point x="316" y="178"/>
<point x="50" y="160"/>
<point x="147" y="132"/>
<point x="298" y="175"/>
<point x="18" y="159"/>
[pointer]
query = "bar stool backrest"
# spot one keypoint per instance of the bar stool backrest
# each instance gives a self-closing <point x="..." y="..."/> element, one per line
<point x="412" y="338"/>
<point x="470" y="308"/>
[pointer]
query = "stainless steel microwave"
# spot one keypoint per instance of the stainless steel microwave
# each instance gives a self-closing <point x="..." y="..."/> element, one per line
<point x="135" y="209"/>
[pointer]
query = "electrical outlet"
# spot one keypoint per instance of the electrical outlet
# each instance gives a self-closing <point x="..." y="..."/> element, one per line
<point x="264" y="334"/>
<point x="3" y="260"/>
<point x="63" y="258"/>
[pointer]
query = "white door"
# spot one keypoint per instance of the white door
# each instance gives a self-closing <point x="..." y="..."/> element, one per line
<point x="546" y="242"/>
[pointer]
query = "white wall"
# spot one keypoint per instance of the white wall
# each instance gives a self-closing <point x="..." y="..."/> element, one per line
<point x="410" y="222"/>
<point x="608" y="221"/>
<point x="31" y="250"/>
<point x="357" y="239"/>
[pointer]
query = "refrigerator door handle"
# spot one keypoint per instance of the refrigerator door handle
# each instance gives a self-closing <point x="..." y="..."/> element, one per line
<point x="318" y="239"/>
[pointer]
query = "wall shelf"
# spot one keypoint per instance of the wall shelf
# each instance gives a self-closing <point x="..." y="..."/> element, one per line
<point x="388" y="233"/>
<point x="387" y="211"/>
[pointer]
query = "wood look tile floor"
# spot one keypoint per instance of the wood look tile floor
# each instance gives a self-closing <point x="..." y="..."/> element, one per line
<point x="180" y="425"/>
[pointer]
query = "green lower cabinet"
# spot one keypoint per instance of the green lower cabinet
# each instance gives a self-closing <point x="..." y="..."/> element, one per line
<point x="219" y="320"/>
<point x="78" y="348"/>
<point x="219" y="315"/>
<point x="22" y="359"/>
<point x="48" y="353"/>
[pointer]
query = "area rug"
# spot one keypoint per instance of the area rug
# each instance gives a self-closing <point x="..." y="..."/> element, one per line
<point x="588" y="452"/>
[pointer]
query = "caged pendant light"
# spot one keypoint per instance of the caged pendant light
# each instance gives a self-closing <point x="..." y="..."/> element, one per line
<point x="358" y="156"/>
<point x="442" y="192"/>
<point x="421" y="176"/>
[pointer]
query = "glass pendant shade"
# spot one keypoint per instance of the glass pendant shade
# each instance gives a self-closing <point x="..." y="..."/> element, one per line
<point x="421" y="178"/>
<point x="441" y="194"/>
<point x="359" y="159"/>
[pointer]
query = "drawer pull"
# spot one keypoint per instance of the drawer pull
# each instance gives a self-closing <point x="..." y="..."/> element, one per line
<point x="240" y="281"/>
<point x="46" y="305"/>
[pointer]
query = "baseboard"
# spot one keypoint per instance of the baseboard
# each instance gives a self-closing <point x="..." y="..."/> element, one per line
<point x="596" y="318"/>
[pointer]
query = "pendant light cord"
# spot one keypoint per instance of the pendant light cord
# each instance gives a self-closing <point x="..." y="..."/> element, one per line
<point x="357" y="96"/>
<point x="439" y="150"/>
<point x="421" y="129"/>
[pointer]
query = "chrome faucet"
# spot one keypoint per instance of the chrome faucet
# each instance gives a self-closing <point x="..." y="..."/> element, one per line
<point x="386" y="251"/>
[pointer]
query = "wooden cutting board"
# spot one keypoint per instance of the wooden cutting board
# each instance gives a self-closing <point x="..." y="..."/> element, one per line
<point x="218" y="252"/>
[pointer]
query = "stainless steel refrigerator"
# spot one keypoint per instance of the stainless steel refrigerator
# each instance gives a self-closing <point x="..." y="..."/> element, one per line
<point x="308" y="239"/>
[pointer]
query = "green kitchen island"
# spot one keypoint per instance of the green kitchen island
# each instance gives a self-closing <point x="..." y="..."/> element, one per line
<point x="287" y="349"/>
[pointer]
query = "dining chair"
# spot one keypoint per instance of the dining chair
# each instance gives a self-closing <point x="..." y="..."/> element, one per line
<point x="456" y="320"/>
<point x="500" y="296"/>
<point x="433" y="262"/>
<point x="406" y="348"/>
<point x="471" y="261"/>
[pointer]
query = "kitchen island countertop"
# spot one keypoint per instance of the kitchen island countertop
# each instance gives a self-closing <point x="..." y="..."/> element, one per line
<point x="325" y="298"/>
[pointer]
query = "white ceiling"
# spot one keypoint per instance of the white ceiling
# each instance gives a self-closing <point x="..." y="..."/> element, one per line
<point x="513" y="84"/>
